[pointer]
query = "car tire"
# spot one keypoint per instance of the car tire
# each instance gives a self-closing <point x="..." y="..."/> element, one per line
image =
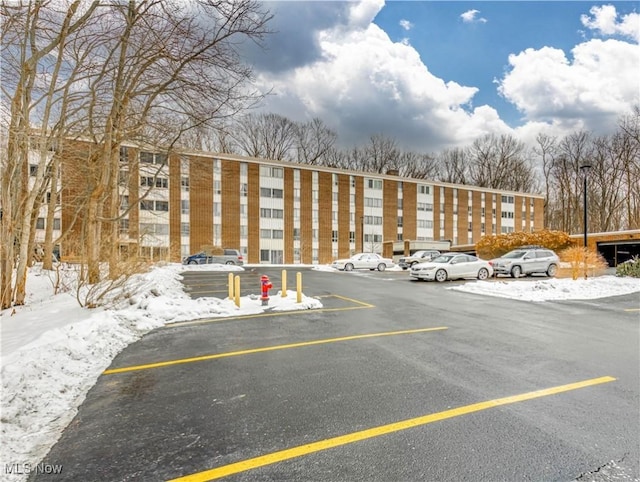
<point x="516" y="272"/>
<point x="192" y="262"/>
<point x="441" y="275"/>
<point x="230" y="262"/>
<point x="382" y="267"/>
<point x="552" y="270"/>
<point x="483" y="274"/>
<point x="348" y="267"/>
<point x="411" y="265"/>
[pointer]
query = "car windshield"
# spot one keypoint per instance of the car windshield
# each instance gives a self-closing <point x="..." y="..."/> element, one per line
<point x="442" y="259"/>
<point x="514" y="254"/>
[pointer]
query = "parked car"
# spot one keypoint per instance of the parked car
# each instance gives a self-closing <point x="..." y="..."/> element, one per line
<point x="418" y="257"/>
<point x="229" y="256"/>
<point x="363" y="261"/>
<point x="452" y="266"/>
<point x="527" y="260"/>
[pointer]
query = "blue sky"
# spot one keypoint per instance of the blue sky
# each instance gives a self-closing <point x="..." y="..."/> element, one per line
<point x="438" y="74"/>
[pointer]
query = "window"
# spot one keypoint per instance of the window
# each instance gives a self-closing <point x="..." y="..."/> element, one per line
<point x="184" y="182"/>
<point x="162" y="182"/>
<point x="184" y="229"/>
<point x="508" y="199"/>
<point x="217" y="188"/>
<point x="399" y="237"/>
<point x="424" y="207"/>
<point x="265" y="192"/>
<point x="244" y="189"/>
<point x="296" y="234"/>
<point x="151" y="158"/>
<point x="277" y="213"/>
<point x="268" y="171"/>
<point x="244" y="231"/>
<point x="507" y="215"/>
<point x="146" y="205"/>
<point x="265" y="233"/>
<point x="425" y="223"/>
<point x="277" y="234"/>
<point x="264" y="255"/>
<point x="352" y="236"/>
<point x="268" y="192"/>
<point x="400" y="203"/>
<point x="335" y="197"/>
<point x="40" y="223"/>
<point x="162" y="206"/>
<point x="374" y="183"/>
<point x="400" y="223"/>
<point x="423" y="189"/>
<point x="265" y="212"/>
<point x="184" y="206"/>
<point x="371" y="202"/>
<point x="124" y="154"/>
<point x="334" y="176"/>
<point x="296" y="193"/>
<point x="334" y="236"/>
<point x="123" y="226"/>
<point x="352" y="181"/>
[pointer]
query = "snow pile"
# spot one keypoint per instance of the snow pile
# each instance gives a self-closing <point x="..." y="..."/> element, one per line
<point x="554" y="289"/>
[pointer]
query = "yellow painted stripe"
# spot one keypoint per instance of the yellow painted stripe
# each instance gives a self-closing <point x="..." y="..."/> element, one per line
<point x="326" y="444"/>
<point x="265" y="349"/>
<point x="632" y="309"/>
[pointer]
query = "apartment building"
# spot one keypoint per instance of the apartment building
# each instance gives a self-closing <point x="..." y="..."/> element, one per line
<point x="281" y="212"/>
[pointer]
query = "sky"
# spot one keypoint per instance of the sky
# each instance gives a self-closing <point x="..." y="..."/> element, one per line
<point x="438" y="74"/>
<point x="53" y="351"/>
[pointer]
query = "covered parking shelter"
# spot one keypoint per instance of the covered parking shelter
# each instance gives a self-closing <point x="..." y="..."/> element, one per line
<point x="616" y="247"/>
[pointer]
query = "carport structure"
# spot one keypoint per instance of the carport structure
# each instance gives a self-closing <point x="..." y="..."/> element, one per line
<point x="615" y="246"/>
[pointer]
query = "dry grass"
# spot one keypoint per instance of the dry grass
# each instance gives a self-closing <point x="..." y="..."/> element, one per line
<point x="581" y="262"/>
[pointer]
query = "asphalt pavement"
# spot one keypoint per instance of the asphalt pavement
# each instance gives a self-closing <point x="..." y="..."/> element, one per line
<point x="390" y="380"/>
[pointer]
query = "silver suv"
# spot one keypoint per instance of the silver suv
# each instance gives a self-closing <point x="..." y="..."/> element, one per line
<point x="418" y="257"/>
<point x="229" y="256"/>
<point x="527" y="260"/>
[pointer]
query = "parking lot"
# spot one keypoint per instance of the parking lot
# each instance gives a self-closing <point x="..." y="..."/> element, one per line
<point x="390" y="380"/>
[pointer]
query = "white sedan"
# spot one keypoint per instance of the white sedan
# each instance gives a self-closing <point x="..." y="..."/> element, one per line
<point x="363" y="261"/>
<point x="452" y="266"/>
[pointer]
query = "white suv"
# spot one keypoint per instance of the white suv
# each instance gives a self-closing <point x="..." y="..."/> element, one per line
<point x="527" y="260"/>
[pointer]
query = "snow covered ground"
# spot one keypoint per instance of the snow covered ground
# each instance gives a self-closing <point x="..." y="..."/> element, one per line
<point x="554" y="289"/>
<point x="53" y="351"/>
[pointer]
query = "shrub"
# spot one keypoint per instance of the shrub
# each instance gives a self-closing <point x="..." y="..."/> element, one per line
<point x="629" y="268"/>
<point x="489" y="247"/>
<point x="582" y="261"/>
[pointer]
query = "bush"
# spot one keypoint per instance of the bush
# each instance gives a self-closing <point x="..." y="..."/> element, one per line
<point x="489" y="247"/>
<point x="629" y="268"/>
<point x="582" y="261"/>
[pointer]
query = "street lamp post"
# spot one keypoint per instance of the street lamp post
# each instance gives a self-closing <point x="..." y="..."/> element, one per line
<point x="585" y="173"/>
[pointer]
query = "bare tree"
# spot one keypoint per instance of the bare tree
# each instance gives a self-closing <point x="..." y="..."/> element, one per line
<point x="270" y="136"/>
<point x="142" y="70"/>
<point x="314" y="141"/>
<point x="453" y="165"/>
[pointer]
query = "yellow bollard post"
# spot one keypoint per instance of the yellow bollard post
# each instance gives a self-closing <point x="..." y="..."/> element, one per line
<point x="230" y="286"/>
<point x="237" y="291"/>
<point x="284" y="283"/>
<point x="299" y="287"/>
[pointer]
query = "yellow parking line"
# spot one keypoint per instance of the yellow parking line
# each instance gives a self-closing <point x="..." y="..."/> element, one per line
<point x="326" y="444"/>
<point x="632" y="309"/>
<point x="264" y="349"/>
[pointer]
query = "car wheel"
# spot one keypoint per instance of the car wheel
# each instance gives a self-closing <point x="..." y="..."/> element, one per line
<point x="411" y="265"/>
<point x="348" y="267"/>
<point x="483" y="273"/>
<point x="441" y="275"/>
<point x="382" y="267"/>
<point x="552" y="270"/>
<point x="192" y="262"/>
<point x="229" y="262"/>
<point x="516" y="272"/>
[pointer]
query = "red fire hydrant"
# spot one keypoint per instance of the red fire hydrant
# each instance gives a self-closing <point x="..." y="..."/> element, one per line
<point x="266" y="286"/>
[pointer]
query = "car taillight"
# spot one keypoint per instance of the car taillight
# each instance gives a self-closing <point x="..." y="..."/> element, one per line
<point x="239" y="258"/>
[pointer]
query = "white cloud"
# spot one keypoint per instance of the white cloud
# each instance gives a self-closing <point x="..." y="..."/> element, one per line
<point x="470" y="17"/>
<point x="405" y="24"/>
<point x="605" y="20"/>
<point x="595" y="87"/>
